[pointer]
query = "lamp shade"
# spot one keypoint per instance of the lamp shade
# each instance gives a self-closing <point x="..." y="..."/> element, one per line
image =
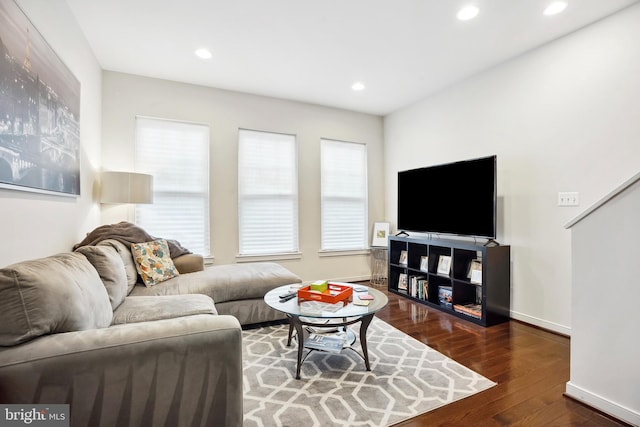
<point x="126" y="187"/>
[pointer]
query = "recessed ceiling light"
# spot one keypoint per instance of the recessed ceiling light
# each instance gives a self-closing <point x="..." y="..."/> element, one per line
<point x="555" y="8"/>
<point x="357" y="86"/>
<point x="467" y="12"/>
<point x="203" y="53"/>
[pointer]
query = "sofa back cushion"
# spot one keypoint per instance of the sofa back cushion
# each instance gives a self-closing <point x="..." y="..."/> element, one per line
<point x="129" y="264"/>
<point x="110" y="268"/>
<point x="61" y="293"/>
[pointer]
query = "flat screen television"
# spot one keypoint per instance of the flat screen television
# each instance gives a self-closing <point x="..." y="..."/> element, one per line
<point x="454" y="198"/>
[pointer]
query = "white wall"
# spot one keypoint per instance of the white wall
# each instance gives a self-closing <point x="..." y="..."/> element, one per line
<point x="563" y="117"/>
<point x="604" y="349"/>
<point x="35" y="225"/>
<point x="126" y="96"/>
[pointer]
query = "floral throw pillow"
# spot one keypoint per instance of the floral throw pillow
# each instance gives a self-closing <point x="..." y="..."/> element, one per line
<point x="153" y="261"/>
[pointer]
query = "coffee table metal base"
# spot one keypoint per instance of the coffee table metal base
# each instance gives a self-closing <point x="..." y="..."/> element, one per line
<point x="296" y="323"/>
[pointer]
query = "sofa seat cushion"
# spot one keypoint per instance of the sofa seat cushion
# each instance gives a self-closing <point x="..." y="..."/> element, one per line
<point x="61" y="293"/>
<point x="144" y="309"/>
<point x="225" y="282"/>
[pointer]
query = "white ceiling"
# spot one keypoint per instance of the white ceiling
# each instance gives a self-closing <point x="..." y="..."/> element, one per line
<point x="313" y="51"/>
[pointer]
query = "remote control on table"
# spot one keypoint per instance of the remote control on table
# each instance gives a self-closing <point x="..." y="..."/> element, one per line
<point x="289" y="294"/>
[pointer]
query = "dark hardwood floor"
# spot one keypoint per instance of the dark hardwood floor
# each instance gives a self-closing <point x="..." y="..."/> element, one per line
<point x="529" y="365"/>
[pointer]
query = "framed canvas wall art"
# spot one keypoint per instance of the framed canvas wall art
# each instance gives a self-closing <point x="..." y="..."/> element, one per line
<point x="39" y="111"/>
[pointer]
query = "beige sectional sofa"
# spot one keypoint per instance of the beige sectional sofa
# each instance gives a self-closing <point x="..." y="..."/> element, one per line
<point x="77" y="328"/>
<point x="236" y="289"/>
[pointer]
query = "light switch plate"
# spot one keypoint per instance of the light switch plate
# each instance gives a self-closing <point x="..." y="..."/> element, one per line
<point x="570" y="198"/>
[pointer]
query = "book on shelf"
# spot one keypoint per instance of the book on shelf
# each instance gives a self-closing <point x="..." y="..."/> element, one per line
<point x="473" y="310"/>
<point x="325" y="343"/>
<point x="413" y="286"/>
<point x="403" y="258"/>
<point x="444" y="265"/>
<point x="416" y="286"/>
<point x="402" y="282"/>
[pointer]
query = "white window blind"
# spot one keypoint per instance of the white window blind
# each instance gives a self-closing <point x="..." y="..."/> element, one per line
<point x="267" y="193"/>
<point x="344" y="195"/>
<point x="177" y="155"/>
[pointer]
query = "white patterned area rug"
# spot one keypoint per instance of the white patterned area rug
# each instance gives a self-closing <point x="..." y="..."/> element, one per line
<point x="407" y="378"/>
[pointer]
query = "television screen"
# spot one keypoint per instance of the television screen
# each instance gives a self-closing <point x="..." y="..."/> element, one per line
<point x="455" y="198"/>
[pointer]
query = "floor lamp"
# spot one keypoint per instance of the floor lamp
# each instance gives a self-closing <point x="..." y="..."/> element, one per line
<point x="126" y="188"/>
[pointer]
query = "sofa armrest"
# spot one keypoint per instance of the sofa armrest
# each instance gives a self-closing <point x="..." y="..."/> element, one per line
<point x="182" y="371"/>
<point x="189" y="263"/>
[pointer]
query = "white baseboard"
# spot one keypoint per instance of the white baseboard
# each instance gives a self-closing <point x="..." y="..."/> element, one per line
<point x="600" y="403"/>
<point x="545" y="324"/>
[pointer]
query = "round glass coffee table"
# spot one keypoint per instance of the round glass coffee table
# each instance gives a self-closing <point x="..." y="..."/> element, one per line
<point x="322" y="315"/>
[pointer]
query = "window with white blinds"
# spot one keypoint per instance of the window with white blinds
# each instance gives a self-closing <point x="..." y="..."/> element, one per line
<point x="344" y="195"/>
<point x="177" y="155"/>
<point x="267" y="193"/>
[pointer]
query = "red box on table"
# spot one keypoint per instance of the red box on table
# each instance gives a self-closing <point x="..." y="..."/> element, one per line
<point x="335" y="293"/>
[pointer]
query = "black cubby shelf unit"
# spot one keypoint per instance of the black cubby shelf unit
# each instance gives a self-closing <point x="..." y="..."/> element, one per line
<point x="474" y="279"/>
